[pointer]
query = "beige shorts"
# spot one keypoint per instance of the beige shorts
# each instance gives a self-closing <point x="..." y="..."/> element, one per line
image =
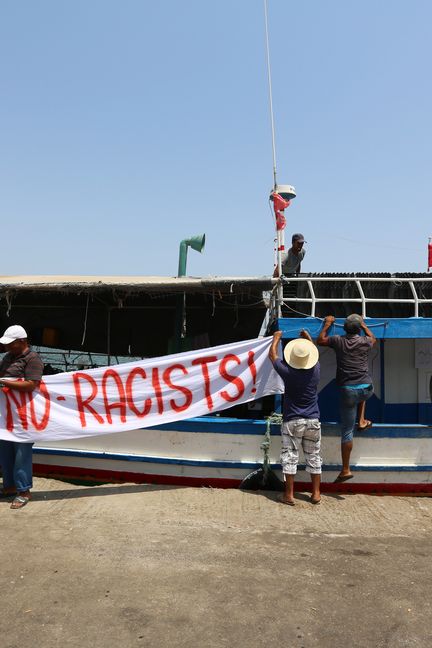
<point x="305" y="434"/>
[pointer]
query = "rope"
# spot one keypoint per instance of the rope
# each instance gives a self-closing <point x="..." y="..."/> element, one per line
<point x="85" y="321"/>
<point x="321" y="319"/>
<point x="265" y="445"/>
<point x="9" y="303"/>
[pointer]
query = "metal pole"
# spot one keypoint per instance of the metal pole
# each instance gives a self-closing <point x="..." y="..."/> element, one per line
<point x="279" y="261"/>
<point x="182" y="259"/>
<point x="270" y="93"/>
<point x="363" y="299"/>
<point x="416" y="300"/>
<point x="279" y="233"/>
<point x="109" y="336"/>
<point x="197" y="243"/>
<point x="281" y="249"/>
<point x="430" y="239"/>
<point x="180" y="323"/>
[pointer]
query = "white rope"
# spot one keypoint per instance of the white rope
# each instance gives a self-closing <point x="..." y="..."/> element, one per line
<point x="321" y="319"/>
<point x="85" y="320"/>
<point x="9" y="303"/>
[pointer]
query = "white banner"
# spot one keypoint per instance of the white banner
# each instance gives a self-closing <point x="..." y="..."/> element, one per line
<point x="139" y="394"/>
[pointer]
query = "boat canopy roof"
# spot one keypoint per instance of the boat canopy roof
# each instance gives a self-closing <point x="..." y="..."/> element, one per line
<point x="132" y="284"/>
<point x="133" y="316"/>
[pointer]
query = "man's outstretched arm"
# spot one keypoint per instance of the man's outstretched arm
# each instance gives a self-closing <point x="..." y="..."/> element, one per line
<point x="273" y="352"/>
<point x="322" y="339"/>
<point x="368" y="332"/>
<point x="306" y="335"/>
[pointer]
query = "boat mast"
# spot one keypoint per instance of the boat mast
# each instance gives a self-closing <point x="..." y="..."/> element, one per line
<point x="286" y="192"/>
<point x="270" y="95"/>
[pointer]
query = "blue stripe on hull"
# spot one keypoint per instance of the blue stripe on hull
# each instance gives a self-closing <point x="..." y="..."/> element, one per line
<point x="221" y="425"/>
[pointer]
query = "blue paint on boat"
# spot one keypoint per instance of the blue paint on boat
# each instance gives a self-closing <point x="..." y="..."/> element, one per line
<point x="222" y="425"/>
<point x="383" y="329"/>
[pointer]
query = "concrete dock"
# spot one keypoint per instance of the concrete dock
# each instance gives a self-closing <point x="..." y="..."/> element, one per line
<point x="133" y="565"/>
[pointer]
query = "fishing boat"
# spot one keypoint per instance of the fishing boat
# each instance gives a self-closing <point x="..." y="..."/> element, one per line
<point x="142" y="317"/>
<point x="136" y="316"/>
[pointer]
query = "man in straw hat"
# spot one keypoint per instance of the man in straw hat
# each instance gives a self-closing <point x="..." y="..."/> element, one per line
<point x="353" y="378"/>
<point x="300" y="372"/>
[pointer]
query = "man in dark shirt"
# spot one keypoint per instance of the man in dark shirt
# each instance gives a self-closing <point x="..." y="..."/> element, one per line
<point x="355" y="383"/>
<point x="300" y="372"/>
<point x="20" y="370"/>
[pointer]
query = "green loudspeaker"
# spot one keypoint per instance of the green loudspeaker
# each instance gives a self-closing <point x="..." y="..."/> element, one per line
<point x="196" y="243"/>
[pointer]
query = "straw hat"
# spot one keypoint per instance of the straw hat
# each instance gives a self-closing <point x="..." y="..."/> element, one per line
<point x="301" y="354"/>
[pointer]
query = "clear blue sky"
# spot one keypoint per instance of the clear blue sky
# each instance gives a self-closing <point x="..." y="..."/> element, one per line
<point x="126" y="126"/>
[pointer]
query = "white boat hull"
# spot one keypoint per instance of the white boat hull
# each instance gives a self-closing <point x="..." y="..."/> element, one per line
<point x="221" y="452"/>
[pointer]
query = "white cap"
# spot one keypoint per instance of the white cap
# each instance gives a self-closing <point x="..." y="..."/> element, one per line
<point x="13" y="333"/>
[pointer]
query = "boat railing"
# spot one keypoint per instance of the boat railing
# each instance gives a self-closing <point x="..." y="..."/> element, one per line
<point x="305" y="290"/>
<point x="59" y="360"/>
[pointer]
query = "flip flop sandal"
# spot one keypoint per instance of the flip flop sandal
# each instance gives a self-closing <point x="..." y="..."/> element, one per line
<point x="19" y="502"/>
<point x="344" y="478"/>
<point x="314" y="501"/>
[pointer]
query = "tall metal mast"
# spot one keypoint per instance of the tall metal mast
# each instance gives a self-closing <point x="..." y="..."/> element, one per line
<point x="287" y="192"/>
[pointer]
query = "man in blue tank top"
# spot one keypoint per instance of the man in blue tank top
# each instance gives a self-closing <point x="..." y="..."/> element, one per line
<point x="300" y="372"/>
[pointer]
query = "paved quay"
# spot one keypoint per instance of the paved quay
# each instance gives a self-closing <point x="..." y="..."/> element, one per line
<point x="133" y="565"/>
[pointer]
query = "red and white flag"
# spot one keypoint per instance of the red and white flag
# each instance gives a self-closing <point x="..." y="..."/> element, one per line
<point x="279" y="205"/>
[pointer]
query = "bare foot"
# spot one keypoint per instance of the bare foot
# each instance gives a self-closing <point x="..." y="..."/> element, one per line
<point x="364" y="425"/>
<point x="284" y="499"/>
